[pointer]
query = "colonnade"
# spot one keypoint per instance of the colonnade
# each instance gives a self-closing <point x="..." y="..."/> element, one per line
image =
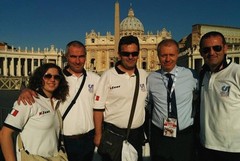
<point x="17" y="62"/>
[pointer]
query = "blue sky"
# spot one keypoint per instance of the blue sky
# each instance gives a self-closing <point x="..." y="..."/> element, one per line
<point x="41" y="23"/>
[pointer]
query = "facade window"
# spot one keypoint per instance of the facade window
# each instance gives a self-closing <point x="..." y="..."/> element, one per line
<point x="198" y="64"/>
<point x="229" y="58"/>
<point x="93" y="40"/>
<point x="144" y="65"/>
<point x="111" y="64"/>
<point x="236" y="60"/>
<point x="52" y="61"/>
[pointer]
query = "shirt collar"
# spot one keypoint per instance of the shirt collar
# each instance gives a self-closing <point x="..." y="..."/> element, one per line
<point x="68" y="74"/>
<point x="119" y="71"/>
<point x="40" y="91"/>
<point x="173" y="71"/>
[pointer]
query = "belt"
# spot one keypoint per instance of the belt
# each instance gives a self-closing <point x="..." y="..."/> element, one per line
<point x="78" y="136"/>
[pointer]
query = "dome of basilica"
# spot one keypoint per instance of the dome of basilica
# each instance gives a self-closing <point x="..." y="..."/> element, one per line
<point x="131" y="24"/>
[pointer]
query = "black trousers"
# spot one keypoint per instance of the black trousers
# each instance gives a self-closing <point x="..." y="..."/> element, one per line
<point x="80" y="147"/>
<point x="136" y="138"/>
<point x="181" y="148"/>
<point x="214" y="155"/>
<point x="1" y="155"/>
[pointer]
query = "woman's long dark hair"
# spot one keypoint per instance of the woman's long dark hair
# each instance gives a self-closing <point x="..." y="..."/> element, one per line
<point x="36" y="81"/>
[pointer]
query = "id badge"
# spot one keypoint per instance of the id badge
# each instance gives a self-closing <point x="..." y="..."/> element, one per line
<point x="170" y="127"/>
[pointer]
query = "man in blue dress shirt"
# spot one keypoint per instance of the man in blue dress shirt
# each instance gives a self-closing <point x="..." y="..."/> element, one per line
<point x="172" y="133"/>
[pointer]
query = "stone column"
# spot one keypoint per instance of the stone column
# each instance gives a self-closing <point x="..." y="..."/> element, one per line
<point x="19" y="67"/>
<point x="107" y="59"/>
<point x="5" y="71"/>
<point x="12" y="67"/>
<point x="39" y="62"/>
<point x="32" y="65"/>
<point x="25" y="67"/>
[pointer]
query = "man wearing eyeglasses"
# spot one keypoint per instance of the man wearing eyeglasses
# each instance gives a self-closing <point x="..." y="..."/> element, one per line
<point x="220" y="101"/>
<point x="114" y="97"/>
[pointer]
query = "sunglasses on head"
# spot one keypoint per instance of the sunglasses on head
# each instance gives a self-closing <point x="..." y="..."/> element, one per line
<point x="216" y="48"/>
<point x="125" y="53"/>
<point x="49" y="76"/>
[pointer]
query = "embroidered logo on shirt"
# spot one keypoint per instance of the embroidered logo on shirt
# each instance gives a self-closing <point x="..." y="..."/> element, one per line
<point x="113" y="87"/>
<point x="14" y="112"/>
<point x="97" y="98"/>
<point x="90" y="88"/>
<point x="142" y="87"/>
<point x="44" y="112"/>
<point x="225" y="91"/>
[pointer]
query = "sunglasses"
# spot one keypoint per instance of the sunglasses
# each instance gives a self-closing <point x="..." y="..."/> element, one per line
<point x="216" y="48"/>
<point x="124" y="53"/>
<point x="49" y="76"/>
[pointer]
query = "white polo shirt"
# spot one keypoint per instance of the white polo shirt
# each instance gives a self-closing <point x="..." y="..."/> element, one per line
<point x="115" y="95"/>
<point x="220" y="110"/>
<point x="79" y="120"/>
<point x="39" y="126"/>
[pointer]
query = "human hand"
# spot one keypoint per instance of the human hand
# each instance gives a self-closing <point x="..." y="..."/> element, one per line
<point x="97" y="139"/>
<point x="27" y="97"/>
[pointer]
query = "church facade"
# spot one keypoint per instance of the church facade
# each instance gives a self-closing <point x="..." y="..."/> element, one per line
<point x="102" y="50"/>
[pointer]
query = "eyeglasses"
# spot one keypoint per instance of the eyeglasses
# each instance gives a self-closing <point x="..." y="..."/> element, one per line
<point x="49" y="76"/>
<point x="125" y="53"/>
<point x="216" y="48"/>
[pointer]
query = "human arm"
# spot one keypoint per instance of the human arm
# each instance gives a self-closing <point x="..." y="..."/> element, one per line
<point x="98" y="120"/>
<point x="99" y="106"/>
<point x="27" y="97"/>
<point x="7" y="144"/>
<point x="148" y="114"/>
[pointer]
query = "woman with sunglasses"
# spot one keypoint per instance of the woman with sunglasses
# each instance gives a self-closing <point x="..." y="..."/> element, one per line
<point x="38" y="123"/>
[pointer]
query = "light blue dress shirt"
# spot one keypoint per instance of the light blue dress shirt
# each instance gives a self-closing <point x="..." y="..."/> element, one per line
<point x="186" y="81"/>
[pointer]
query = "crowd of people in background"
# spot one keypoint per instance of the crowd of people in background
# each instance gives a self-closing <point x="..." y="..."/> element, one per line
<point x="191" y="116"/>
